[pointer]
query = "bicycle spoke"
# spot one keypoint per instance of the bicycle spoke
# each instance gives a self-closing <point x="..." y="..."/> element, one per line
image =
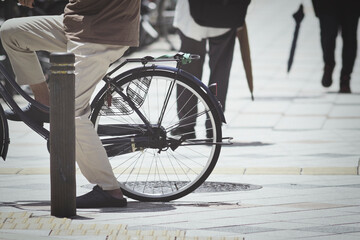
<point x="166" y="101"/>
<point x="194" y="116"/>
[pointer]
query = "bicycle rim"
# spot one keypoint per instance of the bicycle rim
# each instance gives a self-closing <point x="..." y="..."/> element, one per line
<point x="183" y="163"/>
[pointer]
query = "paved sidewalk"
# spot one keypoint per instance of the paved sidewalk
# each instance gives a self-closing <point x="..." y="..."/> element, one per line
<point x="293" y="167"/>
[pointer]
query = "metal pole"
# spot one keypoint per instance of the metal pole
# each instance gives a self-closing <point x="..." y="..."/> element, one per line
<point x="62" y="135"/>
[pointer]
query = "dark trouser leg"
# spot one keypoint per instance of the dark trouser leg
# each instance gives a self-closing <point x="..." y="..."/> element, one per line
<point x="349" y="23"/>
<point x="329" y="26"/>
<point x="187" y="103"/>
<point x="221" y="51"/>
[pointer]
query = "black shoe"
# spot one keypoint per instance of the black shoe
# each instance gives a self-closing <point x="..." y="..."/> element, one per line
<point x="326" y="80"/>
<point x="99" y="198"/>
<point x="31" y="112"/>
<point x="345" y="84"/>
<point x="184" y="132"/>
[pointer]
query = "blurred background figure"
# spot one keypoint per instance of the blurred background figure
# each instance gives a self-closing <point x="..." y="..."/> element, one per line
<point x="200" y="25"/>
<point x="335" y="16"/>
<point x="194" y="39"/>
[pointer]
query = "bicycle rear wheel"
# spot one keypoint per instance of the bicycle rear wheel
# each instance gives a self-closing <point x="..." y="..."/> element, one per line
<point x="172" y="155"/>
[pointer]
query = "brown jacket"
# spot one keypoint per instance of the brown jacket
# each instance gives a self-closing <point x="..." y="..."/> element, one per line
<point x="113" y="22"/>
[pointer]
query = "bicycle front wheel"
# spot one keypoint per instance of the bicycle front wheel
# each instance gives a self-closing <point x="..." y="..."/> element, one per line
<point x="161" y="131"/>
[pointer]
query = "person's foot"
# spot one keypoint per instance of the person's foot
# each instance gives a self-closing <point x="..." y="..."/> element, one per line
<point x="326" y="80"/>
<point x="345" y="84"/>
<point x="98" y="198"/>
<point x="30" y="111"/>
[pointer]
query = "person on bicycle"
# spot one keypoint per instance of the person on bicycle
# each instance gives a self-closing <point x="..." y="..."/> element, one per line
<point x="97" y="33"/>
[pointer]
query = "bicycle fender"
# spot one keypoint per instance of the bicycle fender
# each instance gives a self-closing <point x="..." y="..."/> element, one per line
<point x="4" y="134"/>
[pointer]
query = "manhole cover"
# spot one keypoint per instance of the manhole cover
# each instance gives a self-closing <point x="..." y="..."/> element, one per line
<point x="225" y="187"/>
<point x="205" y="187"/>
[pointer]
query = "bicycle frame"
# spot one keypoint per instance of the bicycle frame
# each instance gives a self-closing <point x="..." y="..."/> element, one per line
<point x="15" y="107"/>
<point x="43" y="132"/>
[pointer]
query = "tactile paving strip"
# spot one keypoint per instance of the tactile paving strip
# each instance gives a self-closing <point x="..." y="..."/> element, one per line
<point x="66" y="227"/>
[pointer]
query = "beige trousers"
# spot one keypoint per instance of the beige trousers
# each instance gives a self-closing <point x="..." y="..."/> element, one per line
<point x="21" y="37"/>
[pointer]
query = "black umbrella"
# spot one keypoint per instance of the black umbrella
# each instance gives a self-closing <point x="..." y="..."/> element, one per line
<point x="298" y="16"/>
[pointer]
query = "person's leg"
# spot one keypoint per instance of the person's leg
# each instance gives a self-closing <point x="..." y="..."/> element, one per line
<point x="91" y="63"/>
<point x="41" y="93"/>
<point x="187" y="104"/>
<point x="21" y="38"/>
<point x="221" y="51"/>
<point x="329" y="27"/>
<point x="349" y="23"/>
<point x="192" y="46"/>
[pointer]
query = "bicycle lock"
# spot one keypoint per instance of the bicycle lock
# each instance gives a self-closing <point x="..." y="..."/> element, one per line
<point x="62" y="135"/>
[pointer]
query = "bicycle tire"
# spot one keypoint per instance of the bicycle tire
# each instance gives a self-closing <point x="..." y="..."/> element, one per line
<point x="152" y="174"/>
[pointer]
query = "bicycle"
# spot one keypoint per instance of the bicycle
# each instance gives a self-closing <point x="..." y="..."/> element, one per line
<point x="136" y="116"/>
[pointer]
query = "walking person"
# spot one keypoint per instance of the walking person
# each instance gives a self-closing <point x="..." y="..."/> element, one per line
<point x="194" y="39"/>
<point x="97" y="33"/>
<point x="335" y="15"/>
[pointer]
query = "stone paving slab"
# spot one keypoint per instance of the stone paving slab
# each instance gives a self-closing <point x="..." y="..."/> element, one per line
<point x="282" y="206"/>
